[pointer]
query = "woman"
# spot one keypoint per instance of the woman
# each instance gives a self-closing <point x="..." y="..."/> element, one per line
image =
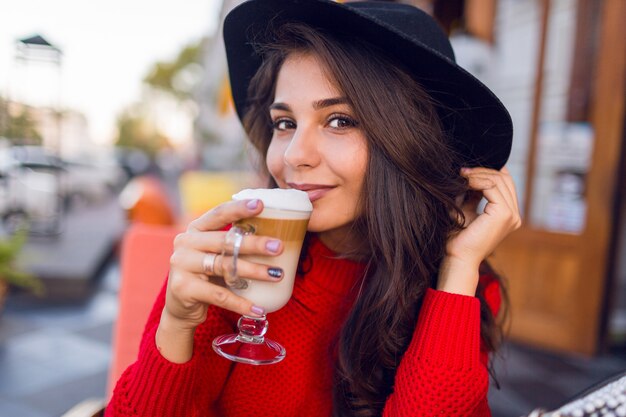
<point x="362" y="106"/>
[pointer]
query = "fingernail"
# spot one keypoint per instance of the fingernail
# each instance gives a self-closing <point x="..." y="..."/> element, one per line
<point x="257" y="310"/>
<point x="465" y="170"/>
<point x="275" y="272"/>
<point x="252" y="204"/>
<point x="272" y="245"/>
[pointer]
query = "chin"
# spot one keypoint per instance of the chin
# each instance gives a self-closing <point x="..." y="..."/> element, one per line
<point x="316" y="226"/>
<point x="319" y="222"/>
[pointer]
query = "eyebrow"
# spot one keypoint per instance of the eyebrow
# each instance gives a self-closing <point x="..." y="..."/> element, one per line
<point x="328" y="102"/>
<point x="317" y="105"/>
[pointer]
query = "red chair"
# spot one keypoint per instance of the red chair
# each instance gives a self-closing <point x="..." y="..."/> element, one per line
<point x="144" y="260"/>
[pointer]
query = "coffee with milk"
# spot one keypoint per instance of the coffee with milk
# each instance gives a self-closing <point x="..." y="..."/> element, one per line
<point x="285" y="216"/>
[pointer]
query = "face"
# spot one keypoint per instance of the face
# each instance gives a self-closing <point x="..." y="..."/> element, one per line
<point x="317" y="146"/>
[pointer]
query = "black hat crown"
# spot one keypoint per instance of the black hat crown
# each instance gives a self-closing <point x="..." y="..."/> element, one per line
<point x="409" y="22"/>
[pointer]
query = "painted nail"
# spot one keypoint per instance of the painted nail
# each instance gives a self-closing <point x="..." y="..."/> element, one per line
<point x="252" y="204"/>
<point x="272" y="245"/>
<point x="257" y="310"/>
<point x="275" y="272"/>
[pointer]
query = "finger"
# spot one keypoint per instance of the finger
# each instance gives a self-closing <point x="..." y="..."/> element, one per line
<point x="221" y="216"/>
<point x="508" y="180"/>
<point x="248" y="269"/>
<point x="479" y="170"/>
<point x="480" y="182"/>
<point x="504" y="189"/>
<point x="208" y="293"/>
<point x="488" y="185"/>
<point x="503" y="174"/>
<point x="214" y="242"/>
<point x="189" y="260"/>
<point x="487" y="180"/>
<point x="498" y="206"/>
<point x="193" y="261"/>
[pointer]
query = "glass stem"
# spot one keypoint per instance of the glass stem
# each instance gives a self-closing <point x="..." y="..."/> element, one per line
<point x="252" y="329"/>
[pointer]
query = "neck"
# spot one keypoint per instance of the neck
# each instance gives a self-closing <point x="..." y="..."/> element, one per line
<point x="343" y="241"/>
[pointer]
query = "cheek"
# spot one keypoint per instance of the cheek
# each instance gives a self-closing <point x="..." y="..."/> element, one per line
<point x="274" y="160"/>
<point x="356" y="178"/>
<point x="353" y="166"/>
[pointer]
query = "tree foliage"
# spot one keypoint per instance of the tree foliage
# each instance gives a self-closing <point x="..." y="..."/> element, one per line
<point x="19" y="127"/>
<point x="135" y="131"/>
<point x="179" y="76"/>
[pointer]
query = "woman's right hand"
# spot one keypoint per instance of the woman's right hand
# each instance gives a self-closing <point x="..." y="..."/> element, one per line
<point x="189" y="290"/>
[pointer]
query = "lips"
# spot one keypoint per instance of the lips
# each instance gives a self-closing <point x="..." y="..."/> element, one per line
<point x="315" y="191"/>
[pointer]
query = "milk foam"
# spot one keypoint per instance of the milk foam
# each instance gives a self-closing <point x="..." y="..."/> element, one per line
<point x="278" y="198"/>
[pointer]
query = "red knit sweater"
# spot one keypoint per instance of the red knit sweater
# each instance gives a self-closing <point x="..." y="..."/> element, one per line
<point x="443" y="372"/>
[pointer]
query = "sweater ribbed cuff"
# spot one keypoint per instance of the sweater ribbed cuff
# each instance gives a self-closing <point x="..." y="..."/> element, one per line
<point x="448" y="331"/>
<point x="161" y="387"/>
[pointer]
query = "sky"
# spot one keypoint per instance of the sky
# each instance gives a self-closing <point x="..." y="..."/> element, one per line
<point x="108" y="47"/>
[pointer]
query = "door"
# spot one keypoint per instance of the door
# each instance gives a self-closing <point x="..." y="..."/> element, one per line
<point x="566" y="158"/>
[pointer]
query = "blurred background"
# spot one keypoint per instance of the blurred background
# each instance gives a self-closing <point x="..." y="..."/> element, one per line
<point x="117" y="128"/>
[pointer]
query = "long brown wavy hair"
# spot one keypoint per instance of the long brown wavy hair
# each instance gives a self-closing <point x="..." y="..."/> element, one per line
<point x="408" y="204"/>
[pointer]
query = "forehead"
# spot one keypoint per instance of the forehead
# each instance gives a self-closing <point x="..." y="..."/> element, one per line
<point x="304" y="75"/>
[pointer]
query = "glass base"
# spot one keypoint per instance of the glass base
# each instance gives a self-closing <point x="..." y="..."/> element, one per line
<point x="266" y="352"/>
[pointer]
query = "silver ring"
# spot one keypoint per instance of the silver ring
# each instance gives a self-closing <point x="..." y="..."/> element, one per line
<point x="232" y="244"/>
<point x="236" y="247"/>
<point x="208" y="263"/>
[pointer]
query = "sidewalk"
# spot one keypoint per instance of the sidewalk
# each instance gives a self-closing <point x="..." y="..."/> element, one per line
<point x="68" y="263"/>
<point x="55" y="352"/>
<point x="53" y="356"/>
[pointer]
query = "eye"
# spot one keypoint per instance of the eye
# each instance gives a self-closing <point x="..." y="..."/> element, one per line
<point x="340" y="121"/>
<point x="283" y="124"/>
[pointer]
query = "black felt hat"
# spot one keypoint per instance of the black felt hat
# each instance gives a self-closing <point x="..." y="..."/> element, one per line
<point x="477" y="122"/>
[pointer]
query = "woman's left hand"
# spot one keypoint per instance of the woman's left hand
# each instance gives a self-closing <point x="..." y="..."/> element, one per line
<point x="482" y="232"/>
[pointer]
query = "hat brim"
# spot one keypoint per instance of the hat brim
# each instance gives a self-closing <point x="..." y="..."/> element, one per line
<point x="479" y="125"/>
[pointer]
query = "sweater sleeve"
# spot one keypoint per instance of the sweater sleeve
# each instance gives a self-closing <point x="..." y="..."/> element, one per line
<point x="154" y="386"/>
<point x="443" y="371"/>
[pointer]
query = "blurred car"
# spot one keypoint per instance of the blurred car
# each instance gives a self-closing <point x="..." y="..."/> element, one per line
<point x="37" y="186"/>
<point x="85" y="180"/>
<point x="91" y="180"/>
<point x="30" y="192"/>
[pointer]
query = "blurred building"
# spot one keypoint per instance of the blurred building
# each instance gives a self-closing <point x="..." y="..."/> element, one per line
<point x="64" y="131"/>
<point x="35" y="88"/>
<point x="559" y="66"/>
<point x="218" y="132"/>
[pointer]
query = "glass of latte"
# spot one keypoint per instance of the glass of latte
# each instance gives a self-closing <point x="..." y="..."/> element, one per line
<point x="285" y="216"/>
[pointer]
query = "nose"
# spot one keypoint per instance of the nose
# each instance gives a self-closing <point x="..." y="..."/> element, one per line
<point x="302" y="150"/>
